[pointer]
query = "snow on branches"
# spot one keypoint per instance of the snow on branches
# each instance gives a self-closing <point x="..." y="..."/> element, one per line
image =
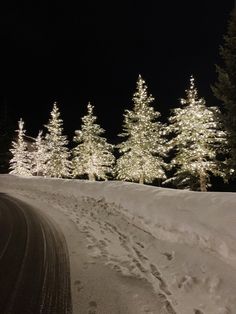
<point x="198" y="139"/>
<point x="20" y="162"/>
<point x="93" y="155"/>
<point x="58" y="163"/>
<point x="143" y="149"/>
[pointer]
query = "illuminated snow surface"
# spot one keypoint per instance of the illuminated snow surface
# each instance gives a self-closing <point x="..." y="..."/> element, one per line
<point x="131" y="237"/>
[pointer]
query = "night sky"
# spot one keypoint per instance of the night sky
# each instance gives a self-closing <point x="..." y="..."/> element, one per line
<point x="94" y="52"/>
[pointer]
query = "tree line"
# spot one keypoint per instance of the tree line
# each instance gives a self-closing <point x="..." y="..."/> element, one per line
<point x="185" y="152"/>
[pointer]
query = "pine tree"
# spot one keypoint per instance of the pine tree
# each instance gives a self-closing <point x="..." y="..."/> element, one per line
<point x="20" y="162"/>
<point x="58" y="164"/>
<point x="39" y="156"/>
<point x="225" y="87"/>
<point x="198" y="140"/>
<point x="92" y="155"/>
<point x="145" y="146"/>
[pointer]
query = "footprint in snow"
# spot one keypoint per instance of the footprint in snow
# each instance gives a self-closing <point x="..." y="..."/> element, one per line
<point x="79" y="285"/>
<point x="169" y="256"/>
<point x="187" y="282"/>
<point x="156" y="274"/>
<point x="139" y="266"/>
<point x="92" y="307"/>
<point x="140" y="244"/>
<point x="166" y="304"/>
<point x="196" y="311"/>
<point x="107" y="240"/>
<point x="102" y="243"/>
<point x="140" y="255"/>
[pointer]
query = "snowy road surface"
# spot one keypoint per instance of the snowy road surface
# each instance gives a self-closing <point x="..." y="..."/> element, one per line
<point x="34" y="265"/>
<point x="137" y="249"/>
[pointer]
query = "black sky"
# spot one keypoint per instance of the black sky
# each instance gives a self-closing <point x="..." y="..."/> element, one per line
<point x="94" y="51"/>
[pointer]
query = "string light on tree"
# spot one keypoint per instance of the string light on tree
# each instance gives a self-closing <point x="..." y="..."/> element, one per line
<point x="198" y="139"/>
<point x="145" y="146"/>
<point x="20" y="162"/>
<point x="58" y="164"/>
<point x="39" y="156"/>
<point x="93" y="155"/>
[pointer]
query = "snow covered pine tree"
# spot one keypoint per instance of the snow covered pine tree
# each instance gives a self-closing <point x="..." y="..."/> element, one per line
<point x="38" y="156"/>
<point x="58" y="163"/>
<point x="93" y="155"/>
<point x="145" y="146"/>
<point x="20" y="162"/>
<point x="198" y="139"/>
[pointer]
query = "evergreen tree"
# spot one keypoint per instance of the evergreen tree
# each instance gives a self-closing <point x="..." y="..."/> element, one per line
<point x="198" y="141"/>
<point x="145" y="146"/>
<point x="225" y="87"/>
<point x="58" y="164"/>
<point x="20" y="162"/>
<point x="92" y="155"/>
<point x="39" y="156"/>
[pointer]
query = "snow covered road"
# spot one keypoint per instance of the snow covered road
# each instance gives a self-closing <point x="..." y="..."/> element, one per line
<point x="127" y="258"/>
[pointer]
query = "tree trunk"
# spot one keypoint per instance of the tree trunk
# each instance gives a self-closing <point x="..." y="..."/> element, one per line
<point x="203" y="187"/>
<point x="141" y="179"/>
<point x="91" y="177"/>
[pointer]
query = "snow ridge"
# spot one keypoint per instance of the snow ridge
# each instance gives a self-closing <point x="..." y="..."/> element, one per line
<point x="181" y="242"/>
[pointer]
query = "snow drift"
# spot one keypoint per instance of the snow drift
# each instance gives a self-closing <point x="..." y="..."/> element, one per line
<point x="181" y="242"/>
<point x="207" y="220"/>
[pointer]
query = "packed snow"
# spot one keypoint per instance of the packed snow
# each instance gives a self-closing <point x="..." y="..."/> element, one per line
<point x="179" y="243"/>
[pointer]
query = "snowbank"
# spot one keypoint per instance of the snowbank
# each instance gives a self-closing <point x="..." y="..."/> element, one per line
<point x="182" y="243"/>
<point x="206" y="220"/>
